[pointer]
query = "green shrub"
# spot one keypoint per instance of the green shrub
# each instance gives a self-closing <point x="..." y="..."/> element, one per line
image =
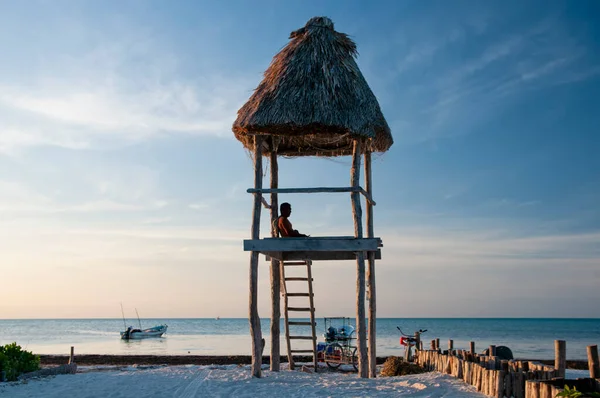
<point x="15" y="361"/>
<point x="573" y="393"/>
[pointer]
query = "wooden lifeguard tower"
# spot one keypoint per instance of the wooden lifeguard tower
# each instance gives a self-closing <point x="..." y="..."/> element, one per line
<point x="313" y="101"/>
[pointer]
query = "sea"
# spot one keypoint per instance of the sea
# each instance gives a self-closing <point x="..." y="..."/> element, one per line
<point x="528" y="338"/>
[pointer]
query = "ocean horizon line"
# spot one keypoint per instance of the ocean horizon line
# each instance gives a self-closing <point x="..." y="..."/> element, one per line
<point x="268" y="319"/>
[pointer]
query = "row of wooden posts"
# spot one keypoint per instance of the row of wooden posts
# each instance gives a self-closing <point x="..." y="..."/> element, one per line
<point x="499" y="378"/>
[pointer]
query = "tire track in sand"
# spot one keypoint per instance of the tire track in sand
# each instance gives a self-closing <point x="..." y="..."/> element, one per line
<point x="195" y="387"/>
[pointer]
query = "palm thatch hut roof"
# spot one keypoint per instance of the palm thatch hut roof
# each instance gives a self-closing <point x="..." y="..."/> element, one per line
<point x="314" y="98"/>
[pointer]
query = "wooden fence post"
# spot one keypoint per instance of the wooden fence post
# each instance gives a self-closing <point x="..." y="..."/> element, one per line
<point x="546" y="390"/>
<point x="508" y="388"/>
<point x="499" y="388"/>
<point x="472" y="347"/>
<point x="72" y="356"/>
<point x="560" y="357"/>
<point x="592" y="354"/>
<point x="417" y="338"/>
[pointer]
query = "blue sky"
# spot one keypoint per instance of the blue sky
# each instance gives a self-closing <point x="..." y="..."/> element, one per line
<point x="121" y="181"/>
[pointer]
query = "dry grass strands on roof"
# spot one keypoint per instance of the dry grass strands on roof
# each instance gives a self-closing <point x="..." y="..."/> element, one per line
<point x="314" y="98"/>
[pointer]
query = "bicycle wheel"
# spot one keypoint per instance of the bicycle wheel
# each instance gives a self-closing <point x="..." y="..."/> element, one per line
<point x="333" y="355"/>
<point x="355" y="359"/>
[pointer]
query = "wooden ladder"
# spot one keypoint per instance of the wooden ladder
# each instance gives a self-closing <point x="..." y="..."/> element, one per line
<point x="310" y="309"/>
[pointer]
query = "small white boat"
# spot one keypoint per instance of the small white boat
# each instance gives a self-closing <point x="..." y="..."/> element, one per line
<point x="136" y="334"/>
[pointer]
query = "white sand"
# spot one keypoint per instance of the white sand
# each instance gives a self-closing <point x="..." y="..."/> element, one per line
<point x="235" y="381"/>
<point x="231" y="381"/>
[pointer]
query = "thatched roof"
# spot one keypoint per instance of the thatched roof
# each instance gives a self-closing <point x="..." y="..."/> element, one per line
<point x="314" y="98"/>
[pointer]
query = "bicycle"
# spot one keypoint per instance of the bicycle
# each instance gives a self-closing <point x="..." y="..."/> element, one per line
<point x="410" y="341"/>
<point x="338" y="348"/>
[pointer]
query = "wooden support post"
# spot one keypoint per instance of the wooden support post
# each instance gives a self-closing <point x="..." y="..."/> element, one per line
<point x="360" y="264"/>
<point x="560" y="357"/>
<point x="372" y="293"/>
<point x="312" y="314"/>
<point x="450" y="346"/>
<point x="437" y="344"/>
<point x="255" y="331"/>
<point x="363" y="364"/>
<point x="594" y="365"/>
<point x="492" y="351"/>
<point x="432" y="344"/>
<point x="472" y="347"/>
<point x="275" y="273"/>
<point x="72" y="356"/>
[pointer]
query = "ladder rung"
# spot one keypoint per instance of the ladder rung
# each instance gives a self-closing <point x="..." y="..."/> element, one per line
<point x="303" y="337"/>
<point x="301" y="323"/>
<point x="296" y="278"/>
<point x="295" y="263"/>
<point x="299" y="294"/>
<point x="302" y="351"/>
<point x="300" y="309"/>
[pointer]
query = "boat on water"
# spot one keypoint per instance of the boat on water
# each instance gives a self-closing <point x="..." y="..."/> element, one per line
<point x="136" y="334"/>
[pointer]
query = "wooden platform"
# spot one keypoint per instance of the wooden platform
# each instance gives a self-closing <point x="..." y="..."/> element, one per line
<point x="314" y="248"/>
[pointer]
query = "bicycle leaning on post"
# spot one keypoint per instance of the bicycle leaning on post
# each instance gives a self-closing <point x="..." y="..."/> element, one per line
<point x="410" y="341"/>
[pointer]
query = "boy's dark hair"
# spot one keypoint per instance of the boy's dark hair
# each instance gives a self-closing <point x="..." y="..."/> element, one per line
<point x="284" y="205"/>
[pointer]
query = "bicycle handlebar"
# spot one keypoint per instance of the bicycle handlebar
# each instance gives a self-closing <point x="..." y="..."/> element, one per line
<point x="408" y="335"/>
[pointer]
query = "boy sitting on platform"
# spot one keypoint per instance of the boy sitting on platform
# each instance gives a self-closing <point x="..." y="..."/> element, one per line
<point x="284" y="226"/>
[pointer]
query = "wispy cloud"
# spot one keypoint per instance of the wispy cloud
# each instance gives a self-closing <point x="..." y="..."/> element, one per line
<point x="157" y="220"/>
<point x="111" y="206"/>
<point x="199" y="206"/>
<point x="423" y="52"/>
<point x="100" y="101"/>
<point x="453" y="96"/>
<point x="98" y="190"/>
<point x="480" y="246"/>
<point x="508" y="202"/>
<point x="100" y="206"/>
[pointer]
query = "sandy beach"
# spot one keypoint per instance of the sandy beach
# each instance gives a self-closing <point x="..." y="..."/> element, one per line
<point x="230" y="380"/>
<point x="160" y="376"/>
